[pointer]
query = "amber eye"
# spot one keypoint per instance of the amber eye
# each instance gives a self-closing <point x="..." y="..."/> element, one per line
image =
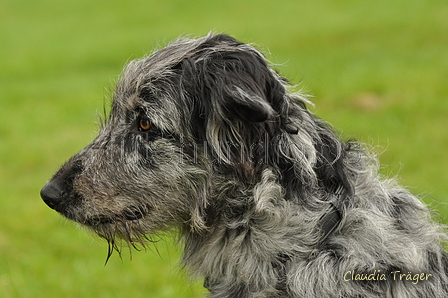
<point x="144" y="124"/>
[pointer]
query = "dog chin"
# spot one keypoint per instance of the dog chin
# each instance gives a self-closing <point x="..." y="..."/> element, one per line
<point x="130" y="214"/>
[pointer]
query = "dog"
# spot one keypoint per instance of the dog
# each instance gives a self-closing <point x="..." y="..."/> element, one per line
<point x="204" y="137"/>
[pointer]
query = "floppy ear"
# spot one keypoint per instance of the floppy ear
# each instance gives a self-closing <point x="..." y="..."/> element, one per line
<point x="235" y="99"/>
<point x="236" y="79"/>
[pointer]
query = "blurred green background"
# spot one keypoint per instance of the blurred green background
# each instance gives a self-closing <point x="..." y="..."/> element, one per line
<point x="378" y="71"/>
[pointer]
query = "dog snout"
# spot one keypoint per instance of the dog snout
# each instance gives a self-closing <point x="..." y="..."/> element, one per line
<point x="51" y="194"/>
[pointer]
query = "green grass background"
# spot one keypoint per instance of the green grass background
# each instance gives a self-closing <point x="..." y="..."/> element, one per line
<point x="378" y="71"/>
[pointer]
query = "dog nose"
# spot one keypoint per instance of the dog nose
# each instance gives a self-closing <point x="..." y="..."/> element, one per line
<point x="51" y="193"/>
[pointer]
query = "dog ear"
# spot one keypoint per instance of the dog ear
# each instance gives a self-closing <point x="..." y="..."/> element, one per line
<point x="236" y="77"/>
<point x="235" y="98"/>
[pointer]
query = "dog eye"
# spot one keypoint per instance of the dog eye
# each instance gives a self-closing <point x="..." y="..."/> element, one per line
<point x="144" y="125"/>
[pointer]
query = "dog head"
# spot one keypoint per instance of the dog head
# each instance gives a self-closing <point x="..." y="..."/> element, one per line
<point x="195" y="112"/>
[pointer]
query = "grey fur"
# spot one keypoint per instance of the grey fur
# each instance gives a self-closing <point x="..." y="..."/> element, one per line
<point x="243" y="171"/>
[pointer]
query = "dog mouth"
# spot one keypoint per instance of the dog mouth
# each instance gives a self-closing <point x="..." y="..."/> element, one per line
<point x="130" y="214"/>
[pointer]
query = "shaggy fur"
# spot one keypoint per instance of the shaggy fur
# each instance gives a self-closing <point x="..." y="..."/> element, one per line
<point x="205" y="137"/>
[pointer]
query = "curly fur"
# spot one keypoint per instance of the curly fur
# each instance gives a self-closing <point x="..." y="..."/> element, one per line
<point x="244" y="171"/>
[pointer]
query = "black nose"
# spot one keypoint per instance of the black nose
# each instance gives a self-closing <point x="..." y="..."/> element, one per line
<point x="51" y="193"/>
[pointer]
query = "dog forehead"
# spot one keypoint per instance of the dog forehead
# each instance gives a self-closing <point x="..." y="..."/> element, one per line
<point x="159" y="109"/>
<point x="141" y="84"/>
